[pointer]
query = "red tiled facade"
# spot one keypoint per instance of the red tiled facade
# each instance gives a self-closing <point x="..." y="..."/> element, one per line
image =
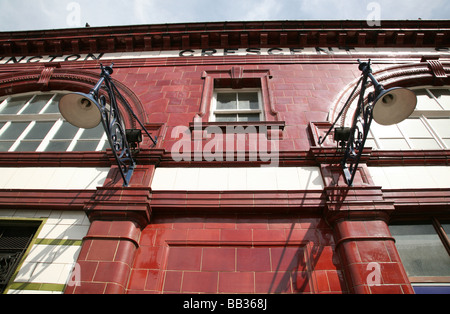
<point x="305" y="241"/>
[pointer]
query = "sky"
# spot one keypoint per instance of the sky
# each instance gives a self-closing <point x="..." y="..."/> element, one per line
<point x="56" y="14"/>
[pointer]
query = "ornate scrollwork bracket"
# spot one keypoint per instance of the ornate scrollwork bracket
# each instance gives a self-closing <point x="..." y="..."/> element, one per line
<point x="113" y="124"/>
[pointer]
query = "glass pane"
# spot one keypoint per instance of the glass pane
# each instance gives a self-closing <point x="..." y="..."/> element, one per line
<point x="226" y="117"/>
<point x="15" y="104"/>
<point x="2" y="124"/>
<point x="248" y="101"/>
<point x="424" y="143"/>
<point x="394" y="144"/>
<point x="447" y="142"/>
<point x="5" y="146"/>
<point x="385" y="131"/>
<point x="226" y="101"/>
<point x="441" y="126"/>
<point x="415" y="128"/>
<point x="58" y="146"/>
<point x="421" y="250"/>
<point x="371" y="143"/>
<point x="86" y="146"/>
<point x="37" y="104"/>
<point x="425" y="101"/>
<point x="39" y="130"/>
<point x="95" y="133"/>
<point x="66" y="132"/>
<point x="14" y="130"/>
<point x="446" y="228"/>
<point x="443" y="96"/>
<point x="249" y="117"/>
<point x="28" y="146"/>
<point x="53" y="107"/>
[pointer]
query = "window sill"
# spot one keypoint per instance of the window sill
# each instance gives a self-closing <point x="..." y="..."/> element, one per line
<point x="224" y="125"/>
<point x="272" y="129"/>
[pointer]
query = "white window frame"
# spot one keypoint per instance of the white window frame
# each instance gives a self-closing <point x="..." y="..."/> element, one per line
<point x="32" y="119"/>
<point x="217" y="91"/>
<point x="424" y="116"/>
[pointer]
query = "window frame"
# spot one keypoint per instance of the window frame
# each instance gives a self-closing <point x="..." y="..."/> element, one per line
<point x="56" y="118"/>
<point x="214" y="111"/>
<point x="424" y="116"/>
<point x="445" y="241"/>
<point x="21" y="252"/>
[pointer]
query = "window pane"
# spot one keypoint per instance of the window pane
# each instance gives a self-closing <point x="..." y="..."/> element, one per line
<point x="425" y="101"/>
<point x="14" y="130"/>
<point x="39" y="130"/>
<point x="443" y="96"/>
<point x="424" y="143"/>
<point x="86" y="146"/>
<point x="58" y="146"/>
<point x="441" y="126"/>
<point x="226" y="117"/>
<point x="28" y="146"/>
<point x="249" y="117"/>
<point x="95" y="133"/>
<point x="226" y="101"/>
<point x="15" y="104"/>
<point x="66" y="131"/>
<point x="53" y="107"/>
<point x="37" y="104"/>
<point x="446" y="229"/>
<point x="415" y="128"/>
<point x="5" y="145"/>
<point x="421" y="250"/>
<point x="390" y="131"/>
<point x="394" y="144"/>
<point x="248" y="101"/>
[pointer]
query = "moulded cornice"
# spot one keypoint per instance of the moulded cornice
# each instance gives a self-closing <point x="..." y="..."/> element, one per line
<point x="418" y="33"/>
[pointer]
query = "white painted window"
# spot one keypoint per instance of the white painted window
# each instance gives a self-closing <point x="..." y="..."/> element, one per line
<point x="428" y="128"/>
<point x="32" y="122"/>
<point x="231" y="105"/>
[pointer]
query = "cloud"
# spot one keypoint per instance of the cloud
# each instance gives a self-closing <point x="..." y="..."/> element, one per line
<point x="45" y="14"/>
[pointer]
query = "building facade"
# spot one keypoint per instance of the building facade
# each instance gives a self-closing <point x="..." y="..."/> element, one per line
<point x="237" y="196"/>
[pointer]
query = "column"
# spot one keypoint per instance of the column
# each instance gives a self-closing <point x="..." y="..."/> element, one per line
<point x="359" y="217"/>
<point x="117" y="217"/>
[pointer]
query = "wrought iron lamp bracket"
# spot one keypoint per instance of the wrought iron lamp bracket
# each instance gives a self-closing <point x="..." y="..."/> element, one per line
<point x="113" y="123"/>
<point x="354" y="139"/>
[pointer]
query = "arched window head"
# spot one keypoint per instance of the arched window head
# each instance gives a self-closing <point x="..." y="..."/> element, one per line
<point x="31" y="122"/>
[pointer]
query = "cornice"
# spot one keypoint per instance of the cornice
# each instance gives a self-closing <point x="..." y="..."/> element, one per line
<point x="418" y="33"/>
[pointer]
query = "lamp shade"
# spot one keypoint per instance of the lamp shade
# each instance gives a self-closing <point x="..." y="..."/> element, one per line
<point x="80" y="110"/>
<point x="394" y="106"/>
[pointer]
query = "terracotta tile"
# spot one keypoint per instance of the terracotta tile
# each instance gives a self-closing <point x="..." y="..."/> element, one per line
<point x="373" y="251"/>
<point x="91" y="288"/>
<point x="301" y="282"/>
<point x="102" y="250"/>
<point x="235" y="235"/>
<point x="138" y="279"/>
<point x="112" y="272"/>
<point x="154" y="280"/>
<point x="172" y="281"/>
<point x="219" y="259"/>
<point x="288" y="259"/>
<point x="149" y="257"/>
<point x="240" y="282"/>
<point x="273" y="282"/>
<point x="178" y="260"/>
<point x="269" y="235"/>
<point x="203" y="235"/>
<point x="253" y="259"/>
<point x="200" y="282"/>
<point x="322" y="281"/>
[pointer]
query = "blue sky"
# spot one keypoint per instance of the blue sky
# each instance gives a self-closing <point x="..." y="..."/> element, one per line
<point x="54" y="14"/>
